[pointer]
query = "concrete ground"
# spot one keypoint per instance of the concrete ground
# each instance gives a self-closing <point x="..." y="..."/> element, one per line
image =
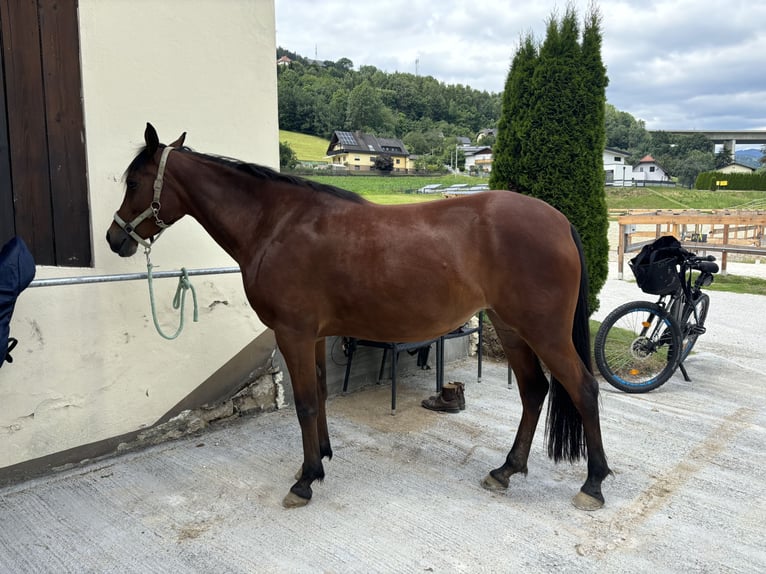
<point x="402" y="493"/>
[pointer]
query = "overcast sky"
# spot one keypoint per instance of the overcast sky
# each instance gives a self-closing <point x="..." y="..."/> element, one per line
<point x="676" y="64"/>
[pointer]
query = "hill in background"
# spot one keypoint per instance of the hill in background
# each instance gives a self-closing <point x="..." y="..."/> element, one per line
<point x="749" y="157"/>
<point x="306" y="147"/>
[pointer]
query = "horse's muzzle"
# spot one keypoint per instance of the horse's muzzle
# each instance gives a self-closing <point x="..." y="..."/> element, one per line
<point x="120" y="242"/>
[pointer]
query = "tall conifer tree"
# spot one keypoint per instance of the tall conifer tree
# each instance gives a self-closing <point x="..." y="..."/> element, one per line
<point x="596" y="245"/>
<point x="551" y="132"/>
<point x="508" y="171"/>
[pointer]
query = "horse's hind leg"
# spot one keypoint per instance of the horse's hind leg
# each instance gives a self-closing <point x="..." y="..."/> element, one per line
<point x="573" y="416"/>
<point x="533" y="386"/>
<point x="298" y="352"/>
<point x="583" y="390"/>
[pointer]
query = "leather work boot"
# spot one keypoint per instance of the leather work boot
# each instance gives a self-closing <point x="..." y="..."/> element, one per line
<point x="460" y="393"/>
<point x="446" y="402"/>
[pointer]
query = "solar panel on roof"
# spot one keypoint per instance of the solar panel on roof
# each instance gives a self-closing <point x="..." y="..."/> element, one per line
<point x="346" y="138"/>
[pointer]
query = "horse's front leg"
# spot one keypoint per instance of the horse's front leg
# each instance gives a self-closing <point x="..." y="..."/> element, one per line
<point x="298" y="351"/>
<point x="325" y="450"/>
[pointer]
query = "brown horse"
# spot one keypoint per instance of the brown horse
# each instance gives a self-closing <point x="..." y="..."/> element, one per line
<point x="317" y="260"/>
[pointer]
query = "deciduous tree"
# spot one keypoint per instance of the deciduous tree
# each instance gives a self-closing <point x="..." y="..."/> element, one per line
<point x="287" y="157"/>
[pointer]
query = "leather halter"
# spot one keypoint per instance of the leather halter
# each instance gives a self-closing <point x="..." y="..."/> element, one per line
<point x="152" y="210"/>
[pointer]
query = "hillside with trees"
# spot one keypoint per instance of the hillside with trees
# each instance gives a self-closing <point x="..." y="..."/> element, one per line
<point x="319" y="97"/>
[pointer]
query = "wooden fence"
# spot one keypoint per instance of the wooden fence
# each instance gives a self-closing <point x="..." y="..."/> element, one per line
<point x="720" y="231"/>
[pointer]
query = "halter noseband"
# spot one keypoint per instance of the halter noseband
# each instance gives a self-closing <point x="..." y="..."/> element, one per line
<point x="153" y="209"/>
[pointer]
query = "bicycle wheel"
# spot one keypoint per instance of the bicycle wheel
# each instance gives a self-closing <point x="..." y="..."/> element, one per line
<point x="637" y="347"/>
<point x="693" y="328"/>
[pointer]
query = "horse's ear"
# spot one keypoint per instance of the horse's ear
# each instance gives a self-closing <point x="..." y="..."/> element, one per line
<point x="151" y="139"/>
<point x="180" y="141"/>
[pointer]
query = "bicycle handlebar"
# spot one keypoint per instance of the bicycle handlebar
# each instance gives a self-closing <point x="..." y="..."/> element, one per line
<point x="704" y="263"/>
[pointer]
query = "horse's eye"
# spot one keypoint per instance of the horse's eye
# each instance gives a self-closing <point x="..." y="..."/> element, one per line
<point x="131" y="185"/>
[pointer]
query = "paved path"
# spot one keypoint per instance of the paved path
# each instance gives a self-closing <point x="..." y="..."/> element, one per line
<point x="402" y="493"/>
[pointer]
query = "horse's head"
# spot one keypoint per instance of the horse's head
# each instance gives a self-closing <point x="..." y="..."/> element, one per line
<point x="146" y="209"/>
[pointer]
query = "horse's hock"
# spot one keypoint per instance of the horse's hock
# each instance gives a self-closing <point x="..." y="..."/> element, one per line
<point x="728" y="232"/>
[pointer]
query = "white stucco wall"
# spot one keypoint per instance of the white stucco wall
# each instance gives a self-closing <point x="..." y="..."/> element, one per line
<point x="89" y="364"/>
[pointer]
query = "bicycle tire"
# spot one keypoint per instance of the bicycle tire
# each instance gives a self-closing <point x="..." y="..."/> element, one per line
<point x="692" y="329"/>
<point x="637" y="347"/>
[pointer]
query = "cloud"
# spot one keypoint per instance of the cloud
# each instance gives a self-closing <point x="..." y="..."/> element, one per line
<point x="676" y="64"/>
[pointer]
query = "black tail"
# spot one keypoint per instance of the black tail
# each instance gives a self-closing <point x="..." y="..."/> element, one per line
<point x="564" y="432"/>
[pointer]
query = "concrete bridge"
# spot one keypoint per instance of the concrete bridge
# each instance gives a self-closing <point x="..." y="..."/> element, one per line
<point x="729" y="138"/>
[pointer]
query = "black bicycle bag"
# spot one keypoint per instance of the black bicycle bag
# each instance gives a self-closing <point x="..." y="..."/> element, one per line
<point x="656" y="266"/>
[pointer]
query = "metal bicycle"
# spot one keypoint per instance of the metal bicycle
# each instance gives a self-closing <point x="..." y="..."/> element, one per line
<point x="641" y="343"/>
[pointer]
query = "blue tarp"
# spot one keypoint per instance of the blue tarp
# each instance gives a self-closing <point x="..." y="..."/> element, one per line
<point x="17" y="269"/>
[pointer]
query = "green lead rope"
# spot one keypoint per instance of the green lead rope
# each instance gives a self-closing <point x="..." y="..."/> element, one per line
<point x="179" y="299"/>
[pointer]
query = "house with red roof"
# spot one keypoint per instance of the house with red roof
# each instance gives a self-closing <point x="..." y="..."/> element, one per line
<point x="648" y="170"/>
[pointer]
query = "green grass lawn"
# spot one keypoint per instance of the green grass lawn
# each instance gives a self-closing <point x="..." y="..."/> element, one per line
<point x="306" y="147"/>
<point x="682" y="198"/>
<point x="398" y="189"/>
<point x="738" y="284"/>
<point x="379" y="188"/>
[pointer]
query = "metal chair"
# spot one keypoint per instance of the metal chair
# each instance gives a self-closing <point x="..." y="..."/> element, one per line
<point x="396" y="348"/>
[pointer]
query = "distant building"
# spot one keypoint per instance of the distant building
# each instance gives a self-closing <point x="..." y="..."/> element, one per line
<point x="617" y="170"/>
<point x="648" y="170"/>
<point x="736" y="168"/>
<point x="478" y="157"/>
<point x="357" y="151"/>
<point x="284" y="61"/>
<point x="486" y="132"/>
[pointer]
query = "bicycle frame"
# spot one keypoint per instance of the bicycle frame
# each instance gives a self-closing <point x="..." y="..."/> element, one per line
<point x="682" y="304"/>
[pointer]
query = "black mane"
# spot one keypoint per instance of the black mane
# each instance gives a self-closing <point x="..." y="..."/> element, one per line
<point x="257" y="171"/>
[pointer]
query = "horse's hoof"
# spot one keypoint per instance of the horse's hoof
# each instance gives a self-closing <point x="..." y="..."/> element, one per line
<point x="491" y="483"/>
<point x="584" y="501"/>
<point x="292" y="500"/>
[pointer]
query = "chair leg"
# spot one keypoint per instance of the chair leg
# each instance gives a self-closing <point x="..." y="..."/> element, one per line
<point x="351" y="349"/>
<point x="478" y="352"/>
<point x="394" y="360"/>
<point x="439" y="364"/>
<point x="382" y="365"/>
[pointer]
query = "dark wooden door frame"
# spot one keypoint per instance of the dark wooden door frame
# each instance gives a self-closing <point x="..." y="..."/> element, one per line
<point x="45" y="130"/>
<point x="7" y="222"/>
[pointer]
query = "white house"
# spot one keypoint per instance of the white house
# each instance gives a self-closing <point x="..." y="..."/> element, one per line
<point x="89" y="368"/>
<point x="617" y="170"/>
<point x="477" y="158"/>
<point x="648" y="170"/>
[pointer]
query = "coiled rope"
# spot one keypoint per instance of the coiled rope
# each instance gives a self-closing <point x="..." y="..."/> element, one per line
<point x="184" y="285"/>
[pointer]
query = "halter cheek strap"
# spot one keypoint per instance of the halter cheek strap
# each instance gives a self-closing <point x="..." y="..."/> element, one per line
<point x="152" y="210"/>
